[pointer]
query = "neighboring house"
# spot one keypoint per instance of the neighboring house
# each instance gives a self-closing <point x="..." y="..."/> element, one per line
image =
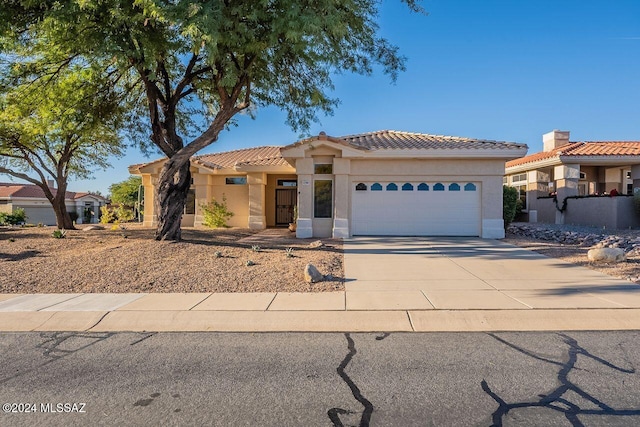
<point x="31" y="198"/>
<point x="568" y="169"/>
<point x="379" y="183"/>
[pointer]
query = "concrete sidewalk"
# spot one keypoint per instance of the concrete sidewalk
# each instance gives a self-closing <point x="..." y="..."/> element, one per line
<point x="392" y="284"/>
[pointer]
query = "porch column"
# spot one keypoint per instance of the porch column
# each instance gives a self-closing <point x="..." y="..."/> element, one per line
<point x="567" y="177"/>
<point x="304" y="225"/>
<point x="635" y="176"/>
<point x="257" y="188"/>
<point x="341" y="191"/>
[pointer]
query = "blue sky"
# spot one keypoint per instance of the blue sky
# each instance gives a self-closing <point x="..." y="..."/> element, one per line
<point x="492" y="69"/>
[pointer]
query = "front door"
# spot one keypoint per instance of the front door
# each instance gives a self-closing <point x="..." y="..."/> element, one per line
<point x="286" y="200"/>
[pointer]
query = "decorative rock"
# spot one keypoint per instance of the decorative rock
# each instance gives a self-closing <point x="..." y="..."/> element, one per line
<point x="93" y="227"/>
<point x="312" y="275"/>
<point x="606" y="255"/>
<point x="316" y="244"/>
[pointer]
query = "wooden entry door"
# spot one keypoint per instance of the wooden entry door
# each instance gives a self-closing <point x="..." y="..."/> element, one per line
<point x="286" y="199"/>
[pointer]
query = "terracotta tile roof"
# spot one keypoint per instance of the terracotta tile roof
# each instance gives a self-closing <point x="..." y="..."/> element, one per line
<point x="390" y="139"/>
<point x="249" y="156"/>
<point x="586" y="148"/>
<point x="26" y="190"/>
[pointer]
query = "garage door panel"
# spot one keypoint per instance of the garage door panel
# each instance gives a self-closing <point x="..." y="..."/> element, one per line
<point x="418" y="213"/>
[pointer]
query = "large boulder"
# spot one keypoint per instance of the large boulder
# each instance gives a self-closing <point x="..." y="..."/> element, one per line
<point x="312" y="275"/>
<point x="606" y="255"/>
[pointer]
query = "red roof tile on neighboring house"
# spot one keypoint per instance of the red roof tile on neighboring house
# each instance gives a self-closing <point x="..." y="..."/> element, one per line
<point x="588" y="148"/>
<point x="32" y="191"/>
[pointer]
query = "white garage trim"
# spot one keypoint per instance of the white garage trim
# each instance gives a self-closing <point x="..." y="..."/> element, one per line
<point x="416" y="208"/>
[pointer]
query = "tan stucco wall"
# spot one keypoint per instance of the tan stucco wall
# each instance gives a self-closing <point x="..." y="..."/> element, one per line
<point x="609" y="212"/>
<point x="6" y="208"/>
<point x="210" y="187"/>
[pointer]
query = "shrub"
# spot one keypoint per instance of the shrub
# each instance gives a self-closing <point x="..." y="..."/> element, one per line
<point x="59" y="234"/>
<point x="107" y="215"/>
<point x="216" y="214"/>
<point x="124" y="213"/>
<point x="17" y="217"/>
<point x="509" y="204"/>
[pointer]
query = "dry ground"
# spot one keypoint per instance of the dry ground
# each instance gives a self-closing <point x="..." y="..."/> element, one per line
<point x="31" y="261"/>
<point x="578" y="255"/>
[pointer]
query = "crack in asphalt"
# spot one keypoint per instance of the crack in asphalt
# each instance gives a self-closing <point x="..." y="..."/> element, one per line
<point x="334" y="413"/>
<point x="556" y="400"/>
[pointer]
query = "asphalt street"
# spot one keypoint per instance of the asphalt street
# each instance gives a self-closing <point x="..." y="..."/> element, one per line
<point x="332" y="379"/>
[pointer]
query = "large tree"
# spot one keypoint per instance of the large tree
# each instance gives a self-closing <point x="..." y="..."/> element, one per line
<point x="190" y="62"/>
<point x="57" y="129"/>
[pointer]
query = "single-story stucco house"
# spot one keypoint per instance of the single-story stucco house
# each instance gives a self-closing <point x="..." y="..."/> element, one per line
<point x="378" y="183"/>
<point x="570" y="169"/>
<point x="31" y="198"/>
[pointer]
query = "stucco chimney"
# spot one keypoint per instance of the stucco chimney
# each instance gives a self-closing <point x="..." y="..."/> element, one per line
<point x="51" y="183"/>
<point x="555" y="139"/>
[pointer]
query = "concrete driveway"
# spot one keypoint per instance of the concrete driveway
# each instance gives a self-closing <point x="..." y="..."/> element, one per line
<point x="421" y="273"/>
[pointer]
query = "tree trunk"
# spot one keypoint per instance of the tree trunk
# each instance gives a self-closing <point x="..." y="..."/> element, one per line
<point x="171" y="195"/>
<point x="63" y="220"/>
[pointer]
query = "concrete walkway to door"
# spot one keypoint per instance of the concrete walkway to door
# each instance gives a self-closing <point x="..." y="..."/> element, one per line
<point x="447" y="273"/>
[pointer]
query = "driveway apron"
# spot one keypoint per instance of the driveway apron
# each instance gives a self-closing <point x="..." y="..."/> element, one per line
<point x="417" y="273"/>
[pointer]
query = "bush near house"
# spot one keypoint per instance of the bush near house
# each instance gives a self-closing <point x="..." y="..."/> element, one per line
<point x="510" y="201"/>
<point x="216" y="214"/>
<point x="17" y="217"/>
<point x="120" y="213"/>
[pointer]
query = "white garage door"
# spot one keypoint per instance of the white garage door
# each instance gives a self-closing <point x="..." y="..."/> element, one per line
<point x="429" y="208"/>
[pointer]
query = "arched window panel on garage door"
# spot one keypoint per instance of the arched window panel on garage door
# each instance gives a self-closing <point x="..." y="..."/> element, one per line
<point x="407" y="187"/>
<point x="470" y="187"/>
<point x="376" y="187"/>
<point x="361" y="187"/>
<point x="438" y="187"/>
<point x="454" y="187"/>
<point x="392" y="187"/>
<point x="423" y="187"/>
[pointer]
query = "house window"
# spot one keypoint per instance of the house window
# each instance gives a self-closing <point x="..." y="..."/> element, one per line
<point x="376" y="187"/>
<point x="470" y="187"/>
<point x="190" y="205"/>
<point x="519" y="178"/>
<point x="323" y="169"/>
<point x="392" y="187"/>
<point x="454" y="187"/>
<point x="287" y="183"/>
<point x="522" y="194"/>
<point x="423" y="187"/>
<point x="438" y="187"/>
<point x="407" y="187"/>
<point x="504" y="180"/>
<point x="361" y="187"/>
<point x="235" y="180"/>
<point x="322" y="198"/>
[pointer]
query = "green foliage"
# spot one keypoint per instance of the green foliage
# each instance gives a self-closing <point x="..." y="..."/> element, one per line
<point x="116" y="214"/>
<point x="190" y="67"/>
<point x="107" y="215"/>
<point x="509" y="204"/>
<point x="256" y="248"/>
<point x="126" y="192"/>
<point x="289" y="252"/>
<point x="59" y="234"/>
<point x="216" y="214"/>
<point x="217" y="254"/>
<point x="17" y="217"/>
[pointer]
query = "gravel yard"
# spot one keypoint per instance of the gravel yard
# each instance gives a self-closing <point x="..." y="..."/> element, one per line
<point x="130" y="260"/>
<point x="571" y="244"/>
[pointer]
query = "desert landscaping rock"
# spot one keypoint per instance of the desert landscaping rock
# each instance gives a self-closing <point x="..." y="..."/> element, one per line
<point x="571" y="243"/>
<point x="312" y="275"/>
<point x="606" y="255"/>
<point x="93" y="228"/>
<point x="316" y="244"/>
<point x="104" y="261"/>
